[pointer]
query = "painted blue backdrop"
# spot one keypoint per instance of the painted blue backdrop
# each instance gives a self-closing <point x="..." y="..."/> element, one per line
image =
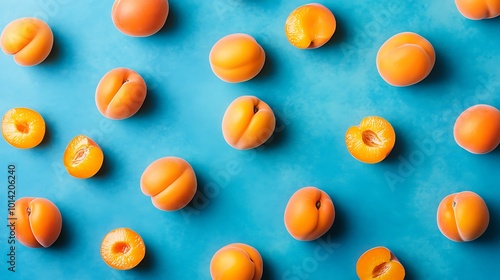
<point x="316" y="95"/>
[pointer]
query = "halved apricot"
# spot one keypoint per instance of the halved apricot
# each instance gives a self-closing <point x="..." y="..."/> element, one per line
<point x="23" y="128"/>
<point x="29" y="40"/>
<point x="123" y="249"/>
<point x="463" y="216"/>
<point x="236" y="261"/>
<point x="379" y="264"/>
<point x="478" y="9"/>
<point x="371" y="141"/>
<point x="310" y="26"/>
<point x="139" y="18"/>
<point x="83" y="157"/>
<point x="38" y="222"/>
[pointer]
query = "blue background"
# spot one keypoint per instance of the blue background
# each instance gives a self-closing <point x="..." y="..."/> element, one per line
<point x="316" y="95"/>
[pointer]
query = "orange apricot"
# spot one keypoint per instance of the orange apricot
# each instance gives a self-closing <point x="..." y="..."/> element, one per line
<point x="120" y="93"/>
<point x="139" y="18"/>
<point x="379" y="263"/>
<point x="83" y="157"/>
<point x="310" y="26"/>
<point x="477" y="129"/>
<point x="23" y="128"/>
<point x="38" y="222"/>
<point x="309" y="214"/>
<point x="29" y="40"/>
<point x="123" y="249"/>
<point x="248" y="123"/>
<point x="371" y="141"/>
<point x="236" y="261"/>
<point x="170" y="182"/>
<point x="478" y="9"/>
<point x="462" y="216"/>
<point x="405" y="59"/>
<point x="237" y="58"/>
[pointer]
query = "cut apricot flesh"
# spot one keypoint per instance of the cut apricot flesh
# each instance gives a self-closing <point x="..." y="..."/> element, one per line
<point x="122" y="249"/>
<point x="23" y="128"/>
<point x="379" y="263"/>
<point x="371" y="141"/>
<point x="83" y="157"/>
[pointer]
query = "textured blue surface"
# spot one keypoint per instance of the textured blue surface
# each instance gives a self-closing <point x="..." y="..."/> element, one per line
<point x="316" y="94"/>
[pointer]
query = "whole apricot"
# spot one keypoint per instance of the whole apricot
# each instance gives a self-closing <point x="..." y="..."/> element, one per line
<point x="462" y="216"/>
<point x="405" y="59"/>
<point x="29" y="40"/>
<point x="120" y="93"/>
<point x="237" y="58"/>
<point x="477" y="129"/>
<point x="139" y="18"/>
<point x="248" y="123"/>
<point x="170" y="182"/>
<point x="38" y="222"/>
<point x="478" y="9"/>
<point x="309" y="214"/>
<point x="236" y="261"/>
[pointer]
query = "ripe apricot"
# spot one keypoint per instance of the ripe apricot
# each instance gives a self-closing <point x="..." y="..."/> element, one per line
<point x="38" y="222"/>
<point x="310" y="26"/>
<point x="83" y="157"/>
<point x="236" y="261"/>
<point x="309" y="214"/>
<point x="371" y="141"/>
<point x="237" y="58"/>
<point x="405" y="59"/>
<point x="462" y="216"/>
<point x="139" y="18"/>
<point x="477" y="129"/>
<point x="478" y="9"/>
<point x="248" y="123"/>
<point x="379" y="263"/>
<point x="122" y="249"/>
<point x="29" y="40"/>
<point x="170" y="182"/>
<point x="23" y="128"/>
<point x="120" y="93"/>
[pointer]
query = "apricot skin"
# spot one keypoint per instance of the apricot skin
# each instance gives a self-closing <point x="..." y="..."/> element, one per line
<point x="139" y="18"/>
<point x="463" y="216"/>
<point x="29" y="40"/>
<point x="236" y="261"/>
<point x="405" y="59"/>
<point x="478" y="9"/>
<point x="477" y="129"/>
<point x="120" y="94"/>
<point x="237" y="58"/>
<point x="309" y="214"/>
<point x="170" y="182"/>
<point x="38" y="223"/>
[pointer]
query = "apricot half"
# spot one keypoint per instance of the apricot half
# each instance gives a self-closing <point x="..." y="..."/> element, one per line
<point x="371" y="141"/>
<point x="23" y="128"/>
<point x="477" y="129"/>
<point x="379" y="263"/>
<point x="310" y="26"/>
<point x="120" y="93"/>
<point x="478" y="9"/>
<point x="237" y="58"/>
<point x="309" y="214"/>
<point x="170" y="182"/>
<point x="236" y="261"/>
<point x="83" y="157"/>
<point x="29" y="40"/>
<point x="123" y="249"/>
<point x="248" y="123"/>
<point x="139" y="18"/>
<point x="38" y="222"/>
<point x="462" y="216"/>
<point x="405" y="59"/>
